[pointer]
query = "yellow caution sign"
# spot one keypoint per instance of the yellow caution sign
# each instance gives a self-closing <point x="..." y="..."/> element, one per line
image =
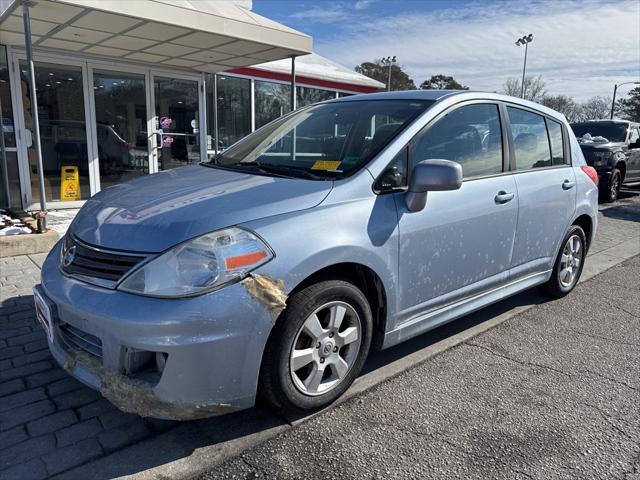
<point x="69" y="184"/>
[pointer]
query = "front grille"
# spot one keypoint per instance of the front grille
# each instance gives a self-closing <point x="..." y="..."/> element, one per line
<point x="96" y="263"/>
<point x="75" y="338"/>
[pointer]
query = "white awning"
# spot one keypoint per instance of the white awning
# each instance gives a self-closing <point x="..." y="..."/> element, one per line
<point x="321" y="68"/>
<point x="203" y="35"/>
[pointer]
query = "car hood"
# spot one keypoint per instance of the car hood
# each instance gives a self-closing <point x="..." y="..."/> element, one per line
<point x="155" y="212"/>
<point x="596" y="147"/>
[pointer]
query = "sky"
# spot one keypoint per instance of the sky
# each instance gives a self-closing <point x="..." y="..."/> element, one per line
<point x="581" y="48"/>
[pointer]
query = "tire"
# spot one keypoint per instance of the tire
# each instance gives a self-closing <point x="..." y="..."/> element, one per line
<point x="611" y="188"/>
<point x="296" y="339"/>
<point x="559" y="285"/>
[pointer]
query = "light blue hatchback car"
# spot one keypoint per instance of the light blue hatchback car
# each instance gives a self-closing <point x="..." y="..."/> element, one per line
<point x="275" y="267"/>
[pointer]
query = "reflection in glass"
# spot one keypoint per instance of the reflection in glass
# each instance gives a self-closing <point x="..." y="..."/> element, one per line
<point x="272" y="101"/>
<point x="176" y="103"/>
<point x="307" y="96"/>
<point x="234" y="110"/>
<point x="62" y="130"/>
<point x="121" y="126"/>
<point x="14" y="181"/>
<point x="5" y="101"/>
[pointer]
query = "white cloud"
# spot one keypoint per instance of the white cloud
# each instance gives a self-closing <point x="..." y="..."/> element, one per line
<point x="363" y="4"/>
<point x="580" y="48"/>
<point x="320" y="15"/>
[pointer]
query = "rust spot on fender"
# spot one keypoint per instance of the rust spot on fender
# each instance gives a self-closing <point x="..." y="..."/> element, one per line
<point x="267" y="291"/>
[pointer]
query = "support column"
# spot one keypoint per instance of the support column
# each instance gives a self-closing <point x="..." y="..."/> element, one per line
<point x="293" y="83"/>
<point x="34" y="107"/>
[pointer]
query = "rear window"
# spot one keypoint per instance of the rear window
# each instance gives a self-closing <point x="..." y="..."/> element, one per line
<point x="557" y="145"/>
<point x="531" y="142"/>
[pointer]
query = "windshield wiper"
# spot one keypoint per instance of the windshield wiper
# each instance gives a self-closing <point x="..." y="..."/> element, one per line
<point x="294" y="172"/>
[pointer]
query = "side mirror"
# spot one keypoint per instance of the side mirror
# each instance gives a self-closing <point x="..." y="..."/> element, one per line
<point x="431" y="176"/>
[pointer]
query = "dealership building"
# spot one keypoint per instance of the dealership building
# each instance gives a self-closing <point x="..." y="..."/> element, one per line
<point x="128" y="88"/>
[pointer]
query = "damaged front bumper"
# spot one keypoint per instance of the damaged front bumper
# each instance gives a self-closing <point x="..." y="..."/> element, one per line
<point x="210" y="346"/>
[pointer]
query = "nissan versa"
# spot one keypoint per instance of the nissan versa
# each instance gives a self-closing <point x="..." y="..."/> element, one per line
<point x="272" y="269"/>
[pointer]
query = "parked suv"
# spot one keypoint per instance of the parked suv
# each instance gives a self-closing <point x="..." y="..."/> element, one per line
<point x="351" y="224"/>
<point x="612" y="147"/>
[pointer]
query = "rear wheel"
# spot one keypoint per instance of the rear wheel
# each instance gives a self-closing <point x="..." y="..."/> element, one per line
<point x="569" y="263"/>
<point x="611" y="188"/>
<point x="317" y="347"/>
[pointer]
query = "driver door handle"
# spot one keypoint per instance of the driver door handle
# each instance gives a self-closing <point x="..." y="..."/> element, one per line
<point x="568" y="184"/>
<point x="504" y="197"/>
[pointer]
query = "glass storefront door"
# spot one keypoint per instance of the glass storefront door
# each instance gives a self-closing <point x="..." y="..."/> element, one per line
<point x="63" y="132"/>
<point x="121" y="126"/>
<point x="177" y="126"/>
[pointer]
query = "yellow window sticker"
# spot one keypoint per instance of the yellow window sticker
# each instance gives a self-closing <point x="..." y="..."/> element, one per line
<point x="326" y="165"/>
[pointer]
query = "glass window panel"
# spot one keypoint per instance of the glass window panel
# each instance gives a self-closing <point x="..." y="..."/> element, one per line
<point x="234" y="110"/>
<point x="469" y="135"/>
<point x="63" y="130"/>
<point x="557" y="146"/>
<point x="13" y="178"/>
<point x="307" y="96"/>
<point x="530" y="139"/>
<point x="344" y="94"/>
<point x="176" y="103"/>
<point x="5" y="101"/>
<point x="121" y="126"/>
<point x="272" y="101"/>
<point x="326" y="140"/>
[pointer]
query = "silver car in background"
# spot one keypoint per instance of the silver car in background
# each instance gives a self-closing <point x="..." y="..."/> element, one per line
<point x="275" y="267"/>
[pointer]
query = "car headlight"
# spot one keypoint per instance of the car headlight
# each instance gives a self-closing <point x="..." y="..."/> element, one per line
<point x="200" y="265"/>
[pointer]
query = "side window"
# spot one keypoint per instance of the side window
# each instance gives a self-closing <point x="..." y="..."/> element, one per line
<point x="470" y="135"/>
<point x="530" y="139"/>
<point x="395" y="175"/>
<point x="557" y="146"/>
<point x="633" y="138"/>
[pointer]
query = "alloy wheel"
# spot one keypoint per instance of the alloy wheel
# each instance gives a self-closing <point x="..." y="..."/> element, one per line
<point x="325" y="348"/>
<point x="570" y="261"/>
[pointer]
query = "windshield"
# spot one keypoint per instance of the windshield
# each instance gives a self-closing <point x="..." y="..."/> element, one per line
<point x="612" y="131"/>
<point x="325" y="141"/>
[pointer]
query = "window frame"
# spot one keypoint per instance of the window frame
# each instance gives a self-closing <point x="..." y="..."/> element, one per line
<point x="506" y="145"/>
<point x="565" y="140"/>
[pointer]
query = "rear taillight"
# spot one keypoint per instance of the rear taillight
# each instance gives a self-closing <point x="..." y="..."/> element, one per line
<point x="591" y="173"/>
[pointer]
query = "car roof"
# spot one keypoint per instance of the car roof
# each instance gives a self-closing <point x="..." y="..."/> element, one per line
<point x="438" y="95"/>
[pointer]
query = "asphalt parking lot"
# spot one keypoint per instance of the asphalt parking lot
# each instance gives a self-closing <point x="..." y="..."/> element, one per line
<point x="551" y="391"/>
<point x="554" y="393"/>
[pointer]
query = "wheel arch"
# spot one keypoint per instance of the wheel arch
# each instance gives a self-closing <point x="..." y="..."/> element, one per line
<point x="585" y="222"/>
<point x="622" y="166"/>
<point x="367" y="280"/>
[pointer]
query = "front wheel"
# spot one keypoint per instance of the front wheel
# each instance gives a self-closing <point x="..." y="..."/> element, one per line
<point x="317" y="347"/>
<point x="569" y="263"/>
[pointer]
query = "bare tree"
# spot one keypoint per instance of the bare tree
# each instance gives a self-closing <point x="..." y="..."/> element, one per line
<point x="535" y="88"/>
<point x="595" y="108"/>
<point x="563" y="104"/>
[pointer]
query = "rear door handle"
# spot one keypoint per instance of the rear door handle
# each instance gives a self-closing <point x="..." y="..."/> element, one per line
<point x="504" y="197"/>
<point x="568" y="184"/>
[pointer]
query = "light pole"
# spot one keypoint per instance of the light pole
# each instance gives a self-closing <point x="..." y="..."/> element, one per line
<point x="388" y="61"/>
<point x="526" y="40"/>
<point x="615" y="90"/>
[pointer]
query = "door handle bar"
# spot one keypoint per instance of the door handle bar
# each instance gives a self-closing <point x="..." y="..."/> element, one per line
<point x="504" y="197"/>
<point x="568" y="184"/>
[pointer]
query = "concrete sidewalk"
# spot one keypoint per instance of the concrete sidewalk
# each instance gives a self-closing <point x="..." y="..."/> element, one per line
<point x="51" y="425"/>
